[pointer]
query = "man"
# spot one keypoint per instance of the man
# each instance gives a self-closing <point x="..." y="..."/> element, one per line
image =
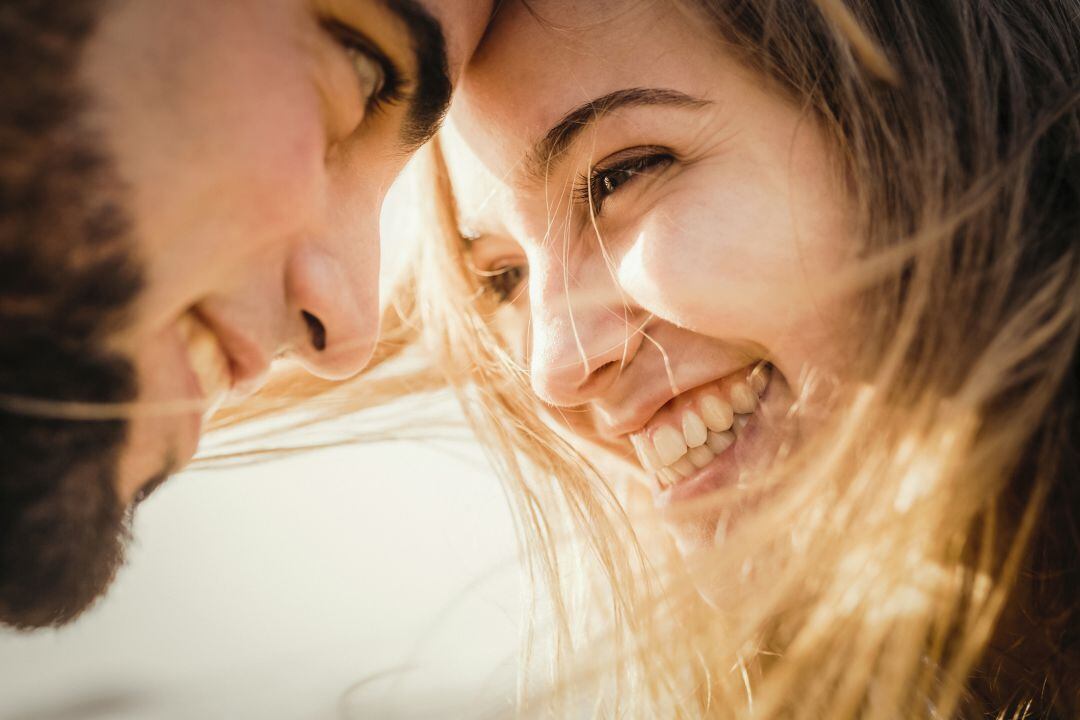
<point x="188" y="191"/>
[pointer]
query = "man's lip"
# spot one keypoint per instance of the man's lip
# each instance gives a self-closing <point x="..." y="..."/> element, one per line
<point x="249" y="365"/>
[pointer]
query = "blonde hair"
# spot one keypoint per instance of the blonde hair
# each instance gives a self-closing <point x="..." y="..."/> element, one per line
<point x="925" y="569"/>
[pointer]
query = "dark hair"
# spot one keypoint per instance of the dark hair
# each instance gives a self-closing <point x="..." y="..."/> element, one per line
<point x="67" y="281"/>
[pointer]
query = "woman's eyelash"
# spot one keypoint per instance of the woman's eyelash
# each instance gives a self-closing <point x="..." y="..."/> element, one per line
<point x="604" y="181"/>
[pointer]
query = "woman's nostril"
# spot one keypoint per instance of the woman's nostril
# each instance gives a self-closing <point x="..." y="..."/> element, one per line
<point x="601" y="376"/>
<point x="606" y="367"/>
<point x="316" y="330"/>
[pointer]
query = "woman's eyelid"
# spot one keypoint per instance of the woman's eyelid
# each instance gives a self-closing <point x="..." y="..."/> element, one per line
<point x="499" y="264"/>
<point x="491" y="250"/>
<point x="632" y="158"/>
<point x="630" y="155"/>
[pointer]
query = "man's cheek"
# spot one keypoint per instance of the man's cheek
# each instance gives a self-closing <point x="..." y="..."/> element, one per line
<point x="166" y="421"/>
<point x="281" y="188"/>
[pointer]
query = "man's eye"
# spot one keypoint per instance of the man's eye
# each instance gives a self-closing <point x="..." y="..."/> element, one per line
<point x="378" y="80"/>
<point x="504" y="282"/>
<point x="369" y="74"/>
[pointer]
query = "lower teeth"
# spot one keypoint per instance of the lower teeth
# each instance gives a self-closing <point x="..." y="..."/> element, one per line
<point x="700" y="456"/>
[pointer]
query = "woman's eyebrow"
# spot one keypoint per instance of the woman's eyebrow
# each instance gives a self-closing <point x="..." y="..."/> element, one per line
<point x="561" y="135"/>
<point x="431" y="96"/>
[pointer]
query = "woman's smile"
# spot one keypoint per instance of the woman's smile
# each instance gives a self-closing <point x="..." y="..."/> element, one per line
<point x="698" y="430"/>
<point x="655" y="275"/>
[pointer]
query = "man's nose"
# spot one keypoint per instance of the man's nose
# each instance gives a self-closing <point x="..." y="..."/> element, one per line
<point x="333" y="291"/>
<point x="583" y="333"/>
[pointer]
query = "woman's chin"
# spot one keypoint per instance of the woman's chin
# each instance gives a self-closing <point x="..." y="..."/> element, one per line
<point x="701" y="511"/>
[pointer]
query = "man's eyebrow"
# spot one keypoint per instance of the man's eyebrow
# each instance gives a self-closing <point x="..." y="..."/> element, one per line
<point x="431" y="96"/>
<point x="559" y="138"/>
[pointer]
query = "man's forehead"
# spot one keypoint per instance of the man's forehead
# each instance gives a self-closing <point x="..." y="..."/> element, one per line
<point x="463" y="23"/>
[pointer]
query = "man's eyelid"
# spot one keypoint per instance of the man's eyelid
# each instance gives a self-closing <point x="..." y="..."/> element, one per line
<point x="393" y="78"/>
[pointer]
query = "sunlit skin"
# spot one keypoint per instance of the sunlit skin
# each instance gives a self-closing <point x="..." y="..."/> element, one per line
<point x="718" y="205"/>
<point x="256" y="155"/>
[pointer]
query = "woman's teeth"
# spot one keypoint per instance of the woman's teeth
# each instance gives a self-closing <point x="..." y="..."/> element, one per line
<point x="208" y="361"/>
<point x="743" y="399"/>
<point x="716" y="412"/>
<point x="694" y="429"/>
<point x="709" y="423"/>
<point x="670" y="444"/>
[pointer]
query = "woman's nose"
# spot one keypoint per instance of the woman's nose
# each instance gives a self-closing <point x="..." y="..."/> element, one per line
<point x="582" y="335"/>
<point x="334" y="296"/>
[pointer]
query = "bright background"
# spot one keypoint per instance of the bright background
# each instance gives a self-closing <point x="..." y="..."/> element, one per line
<point x="270" y="591"/>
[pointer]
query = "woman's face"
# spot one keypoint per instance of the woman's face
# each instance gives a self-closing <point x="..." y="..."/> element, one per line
<point x="660" y="227"/>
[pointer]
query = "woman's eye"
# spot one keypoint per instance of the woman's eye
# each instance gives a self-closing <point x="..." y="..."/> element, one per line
<point x="605" y="181"/>
<point x="505" y="282"/>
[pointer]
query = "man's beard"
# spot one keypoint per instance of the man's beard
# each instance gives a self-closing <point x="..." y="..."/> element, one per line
<point x="67" y="284"/>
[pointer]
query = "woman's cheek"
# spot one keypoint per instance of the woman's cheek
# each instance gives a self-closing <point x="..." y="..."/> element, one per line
<point x="512" y="324"/>
<point x="696" y="268"/>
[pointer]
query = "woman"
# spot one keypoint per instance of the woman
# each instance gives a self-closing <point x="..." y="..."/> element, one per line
<point x="806" y="277"/>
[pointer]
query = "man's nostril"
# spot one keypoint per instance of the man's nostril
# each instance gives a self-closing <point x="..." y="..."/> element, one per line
<point x="316" y="330"/>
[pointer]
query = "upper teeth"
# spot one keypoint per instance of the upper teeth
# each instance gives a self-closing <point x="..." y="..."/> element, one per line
<point x="705" y="431"/>
<point x="208" y="361"/>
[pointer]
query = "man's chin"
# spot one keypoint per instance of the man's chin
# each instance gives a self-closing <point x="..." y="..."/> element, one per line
<point x="168" y="469"/>
<point x="63" y="526"/>
<point x="61" y="554"/>
<point x="63" y="551"/>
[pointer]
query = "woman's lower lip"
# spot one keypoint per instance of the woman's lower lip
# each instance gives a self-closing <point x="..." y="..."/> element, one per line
<point x="723" y="471"/>
<point x="725" y="468"/>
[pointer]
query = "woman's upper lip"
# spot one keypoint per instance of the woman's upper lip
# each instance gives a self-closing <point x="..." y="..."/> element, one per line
<point x="630" y="414"/>
<point x="249" y="364"/>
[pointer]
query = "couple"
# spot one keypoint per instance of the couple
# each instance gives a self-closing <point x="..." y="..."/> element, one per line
<point x="767" y="311"/>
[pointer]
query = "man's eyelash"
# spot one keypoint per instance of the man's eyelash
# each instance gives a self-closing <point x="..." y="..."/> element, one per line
<point x="393" y="87"/>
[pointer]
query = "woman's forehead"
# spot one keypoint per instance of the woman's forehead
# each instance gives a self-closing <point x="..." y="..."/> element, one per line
<point x="480" y="195"/>
<point x="539" y="63"/>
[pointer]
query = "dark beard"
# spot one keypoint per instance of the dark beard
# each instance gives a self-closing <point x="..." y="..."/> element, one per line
<point x="67" y="283"/>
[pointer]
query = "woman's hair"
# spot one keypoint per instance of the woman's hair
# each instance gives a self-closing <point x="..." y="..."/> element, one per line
<point x="918" y="553"/>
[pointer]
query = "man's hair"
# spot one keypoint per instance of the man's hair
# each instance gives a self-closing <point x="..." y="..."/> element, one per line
<point x="67" y="281"/>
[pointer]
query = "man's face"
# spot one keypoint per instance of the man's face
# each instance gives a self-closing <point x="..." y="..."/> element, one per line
<point x="189" y="191"/>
